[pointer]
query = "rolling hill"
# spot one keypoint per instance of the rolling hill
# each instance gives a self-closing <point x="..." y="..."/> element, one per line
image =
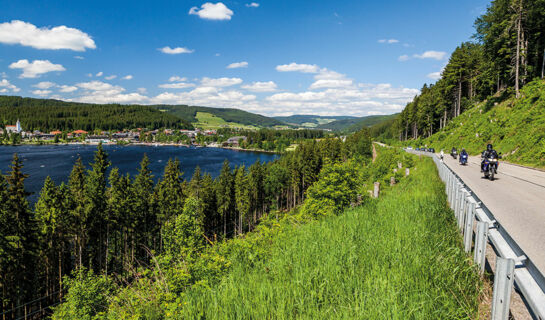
<point x="189" y="113"/>
<point x="355" y="124"/>
<point x="49" y="114"/>
<point x="311" y="121"/>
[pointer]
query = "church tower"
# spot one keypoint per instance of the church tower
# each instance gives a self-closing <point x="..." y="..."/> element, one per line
<point x="18" y="126"/>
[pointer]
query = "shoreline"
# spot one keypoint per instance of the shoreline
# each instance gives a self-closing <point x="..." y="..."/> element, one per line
<point x="146" y="144"/>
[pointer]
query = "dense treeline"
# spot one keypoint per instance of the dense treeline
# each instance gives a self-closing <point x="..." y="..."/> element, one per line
<point x="508" y="52"/>
<point x="47" y="115"/>
<point x="189" y="114"/>
<point x="113" y="225"/>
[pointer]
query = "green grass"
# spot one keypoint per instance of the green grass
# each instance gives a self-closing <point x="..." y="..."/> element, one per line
<point x="516" y="127"/>
<point x="207" y="121"/>
<point x="396" y="258"/>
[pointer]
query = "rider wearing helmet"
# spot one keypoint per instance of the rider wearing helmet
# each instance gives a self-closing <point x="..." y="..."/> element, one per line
<point x="463" y="153"/>
<point x="488" y="153"/>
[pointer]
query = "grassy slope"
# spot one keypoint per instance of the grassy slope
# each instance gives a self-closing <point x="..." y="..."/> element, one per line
<point x="207" y="120"/>
<point x="516" y="127"/>
<point x="189" y="113"/>
<point x="396" y="258"/>
<point x="355" y="124"/>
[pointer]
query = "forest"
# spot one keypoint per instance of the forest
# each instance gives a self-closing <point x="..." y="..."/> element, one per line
<point x="506" y="53"/>
<point x="120" y="226"/>
<point x="48" y="115"/>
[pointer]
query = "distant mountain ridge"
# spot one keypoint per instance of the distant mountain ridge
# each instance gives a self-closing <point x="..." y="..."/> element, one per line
<point x="310" y="121"/>
<point x="354" y="124"/>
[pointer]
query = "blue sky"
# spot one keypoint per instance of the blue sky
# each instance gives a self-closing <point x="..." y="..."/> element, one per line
<point x="271" y="57"/>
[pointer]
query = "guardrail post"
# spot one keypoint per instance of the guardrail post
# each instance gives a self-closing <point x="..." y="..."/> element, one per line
<point x="468" y="233"/>
<point x="462" y="210"/>
<point x="376" y="189"/>
<point x="481" y="239"/>
<point x="503" y="284"/>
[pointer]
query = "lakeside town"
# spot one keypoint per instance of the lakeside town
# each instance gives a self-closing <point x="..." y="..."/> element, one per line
<point x="14" y="134"/>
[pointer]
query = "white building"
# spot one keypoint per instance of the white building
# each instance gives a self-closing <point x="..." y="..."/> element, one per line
<point x="14" y="128"/>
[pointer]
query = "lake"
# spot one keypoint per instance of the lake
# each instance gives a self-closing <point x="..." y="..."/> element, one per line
<point x="57" y="161"/>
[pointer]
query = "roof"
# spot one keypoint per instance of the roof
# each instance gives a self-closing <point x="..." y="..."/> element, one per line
<point x="55" y="132"/>
<point x="11" y="126"/>
<point x="80" y="131"/>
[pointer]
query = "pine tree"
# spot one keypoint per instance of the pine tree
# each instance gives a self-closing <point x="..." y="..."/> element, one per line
<point x="146" y="228"/>
<point x="225" y="196"/>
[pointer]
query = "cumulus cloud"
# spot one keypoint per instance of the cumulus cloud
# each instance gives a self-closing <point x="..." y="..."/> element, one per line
<point x="44" y="85"/>
<point x="6" y="86"/>
<point x="295" y="67"/>
<point x="177" y="50"/>
<point x="209" y="96"/>
<point x="99" y="74"/>
<point x="177" y="85"/>
<point x="41" y="92"/>
<point x="437" y="55"/>
<point x="235" y="65"/>
<point x="268" y="86"/>
<point x="388" y="41"/>
<point x="252" y="5"/>
<point x="177" y="78"/>
<point x="113" y="76"/>
<point x="403" y="58"/>
<point x="102" y="92"/>
<point x="211" y="11"/>
<point x="61" y="37"/>
<point x="67" y="89"/>
<point x="220" y="82"/>
<point x="127" y="77"/>
<point x="434" y="75"/>
<point x="79" y="57"/>
<point x="35" y="68"/>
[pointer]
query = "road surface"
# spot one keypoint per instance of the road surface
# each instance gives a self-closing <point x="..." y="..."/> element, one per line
<point x="516" y="198"/>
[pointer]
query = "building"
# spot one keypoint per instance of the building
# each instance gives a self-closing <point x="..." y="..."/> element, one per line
<point x="55" y="132"/>
<point x="79" y="133"/>
<point x="14" y="128"/>
<point x="235" y="140"/>
<point x="97" y="139"/>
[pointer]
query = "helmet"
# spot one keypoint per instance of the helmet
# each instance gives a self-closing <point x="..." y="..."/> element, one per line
<point x="463" y="149"/>
<point x="489" y="147"/>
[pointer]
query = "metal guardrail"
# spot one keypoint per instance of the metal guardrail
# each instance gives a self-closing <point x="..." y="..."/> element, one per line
<point x="511" y="259"/>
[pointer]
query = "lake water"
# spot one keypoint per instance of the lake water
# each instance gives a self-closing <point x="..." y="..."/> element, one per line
<point x="57" y="161"/>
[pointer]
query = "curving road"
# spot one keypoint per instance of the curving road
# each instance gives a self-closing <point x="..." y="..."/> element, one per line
<point x="517" y="200"/>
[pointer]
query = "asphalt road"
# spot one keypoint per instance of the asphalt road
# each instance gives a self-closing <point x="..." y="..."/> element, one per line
<point x="516" y="198"/>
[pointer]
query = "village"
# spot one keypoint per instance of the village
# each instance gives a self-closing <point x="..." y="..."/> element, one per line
<point x="15" y="134"/>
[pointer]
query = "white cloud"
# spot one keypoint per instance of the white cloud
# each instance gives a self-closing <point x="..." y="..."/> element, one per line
<point x="434" y="75"/>
<point x="268" y="86"/>
<point x="389" y="41"/>
<point x="36" y="68"/>
<point x="403" y="58"/>
<point x="331" y="83"/>
<point x="65" y="88"/>
<point x="212" y="11"/>
<point x="79" y="57"/>
<point x="437" y="55"/>
<point x="177" y="50"/>
<point x="41" y="92"/>
<point x="220" y="82"/>
<point x="177" y="85"/>
<point x="102" y="92"/>
<point x="113" y="76"/>
<point x="127" y="77"/>
<point x="99" y="74"/>
<point x="252" y="5"/>
<point x="6" y="86"/>
<point x="142" y="90"/>
<point x="177" y="78"/>
<point x="295" y="67"/>
<point x="3" y="75"/>
<point x="235" y="65"/>
<point x="61" y="37"/>
<point x="90" y="75"/>
<point x="44" y="85"/>
<point x="209" y="96"/>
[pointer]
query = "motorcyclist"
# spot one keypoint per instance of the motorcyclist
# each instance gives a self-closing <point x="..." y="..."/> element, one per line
<point x="488" y="153"/>
<point x="463" y="153"/>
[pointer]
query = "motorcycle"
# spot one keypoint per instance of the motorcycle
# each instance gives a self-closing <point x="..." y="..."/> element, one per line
<point x="490" y="167"/>
<point x="454" y="154"/>
<point x="463" y="159"/>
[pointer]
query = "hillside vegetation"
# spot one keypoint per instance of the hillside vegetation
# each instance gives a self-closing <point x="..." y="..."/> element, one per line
<point x="396" y="258"/>
<point x="49" y="114"/>
<point x="516" y="127"/>
<point x="354" y="124"/>
<point x="207" y="120"/>
<point x="189" y="113"/>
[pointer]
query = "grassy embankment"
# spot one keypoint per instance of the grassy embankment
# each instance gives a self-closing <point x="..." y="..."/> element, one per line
<point x="516" y="127"/>
<point x="208" y="121"/>
<point x="399" y="257"/>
